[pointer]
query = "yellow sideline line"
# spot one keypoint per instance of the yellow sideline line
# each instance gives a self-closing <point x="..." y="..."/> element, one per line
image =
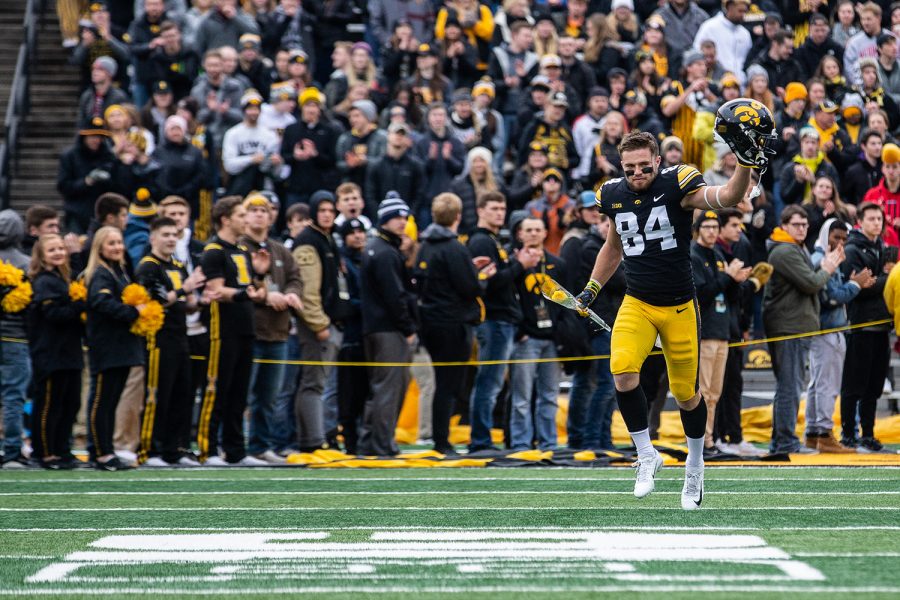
<point x="522" y="361"/>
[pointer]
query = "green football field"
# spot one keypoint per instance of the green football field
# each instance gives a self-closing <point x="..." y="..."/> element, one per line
<point x="467" y="533"/>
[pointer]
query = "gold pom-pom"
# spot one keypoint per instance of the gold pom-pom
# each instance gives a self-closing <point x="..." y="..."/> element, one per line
<point x="77" y="291"/>
<point x="18" y="299"/>
<point x="150" y="320"/>
<point x="10" y="276"/>
<point x="558" y="296"/>
<point x="135" y="294"/>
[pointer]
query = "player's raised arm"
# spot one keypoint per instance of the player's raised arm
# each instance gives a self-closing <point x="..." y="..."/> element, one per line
<point x="605" y="265"/>
<point x="747" y="126"/>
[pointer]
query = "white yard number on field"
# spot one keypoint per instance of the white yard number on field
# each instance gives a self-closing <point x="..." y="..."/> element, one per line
<point x="455" y="558"/>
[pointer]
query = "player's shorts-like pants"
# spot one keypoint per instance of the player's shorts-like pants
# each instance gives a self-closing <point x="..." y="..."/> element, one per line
<point x="678" y="327"/>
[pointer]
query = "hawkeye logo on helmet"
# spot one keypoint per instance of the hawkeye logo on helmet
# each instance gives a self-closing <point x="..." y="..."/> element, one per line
<point x="748" y="114"/>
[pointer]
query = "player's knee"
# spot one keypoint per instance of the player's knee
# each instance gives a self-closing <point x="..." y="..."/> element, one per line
<point x="684" y="392"/>
<point x="625" y="382"/>
<point x="690" y="403"/>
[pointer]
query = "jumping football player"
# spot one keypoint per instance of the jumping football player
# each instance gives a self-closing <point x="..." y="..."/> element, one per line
<point x="652" y="211"/>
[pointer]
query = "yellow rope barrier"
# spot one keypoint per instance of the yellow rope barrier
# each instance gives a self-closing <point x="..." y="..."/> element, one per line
<point x="520" y="361"/>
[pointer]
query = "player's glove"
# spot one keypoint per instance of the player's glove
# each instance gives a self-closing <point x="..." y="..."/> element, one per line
<point x="587" y="297"/>
<point x="760" y="274"/>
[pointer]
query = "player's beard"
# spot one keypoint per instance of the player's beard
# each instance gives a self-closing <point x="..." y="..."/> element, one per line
<point x="642" y="185"/>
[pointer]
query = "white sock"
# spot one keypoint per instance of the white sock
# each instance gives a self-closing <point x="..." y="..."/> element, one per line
<point x="695" y="452"/>
<point x="642" y="442"/>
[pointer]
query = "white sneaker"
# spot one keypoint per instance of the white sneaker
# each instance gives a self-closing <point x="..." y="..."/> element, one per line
<point x="215" y="461"/>
<point x="249" y="461"/>
<point x="155" y="461"/>
<point x="269" y="457"/>
<point x="726" y="448"/>
<point x="126" y="456"/>
<point x="745" y="448"/>
<point x="692" y="492"/>
<point x="188" y="461"/>
<point x="646" y="471"/>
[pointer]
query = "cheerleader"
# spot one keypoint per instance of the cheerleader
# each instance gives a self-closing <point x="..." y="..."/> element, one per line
<point x="112" y="348"/>
<point x="54" y="331"/>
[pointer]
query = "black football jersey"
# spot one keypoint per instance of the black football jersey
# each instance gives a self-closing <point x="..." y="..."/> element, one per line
<point x="656" y="234"/>
<point x="232" y="263"/>
<point x="161" y="277"/>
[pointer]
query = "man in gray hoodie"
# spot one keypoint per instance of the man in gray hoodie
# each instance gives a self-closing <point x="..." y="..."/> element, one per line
<point x="791" y="307"/>
<point x="15" y="363"/>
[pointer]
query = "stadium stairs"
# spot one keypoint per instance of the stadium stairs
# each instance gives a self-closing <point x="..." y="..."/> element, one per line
<point x="50" y="126"/>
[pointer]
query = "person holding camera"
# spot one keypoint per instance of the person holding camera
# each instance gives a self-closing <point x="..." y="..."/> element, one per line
<point x="250" y="152"/>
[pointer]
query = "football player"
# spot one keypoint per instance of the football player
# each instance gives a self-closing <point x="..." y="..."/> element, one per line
<point x="652" y="211"/>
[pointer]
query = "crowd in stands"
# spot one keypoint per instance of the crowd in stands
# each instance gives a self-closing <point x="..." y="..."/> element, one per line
<point x="389" y="181"/>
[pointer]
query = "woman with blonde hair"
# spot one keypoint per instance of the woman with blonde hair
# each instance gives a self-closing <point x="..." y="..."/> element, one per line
<point x="831" y="71"/>
<point x="112" y="348"/>
<point x="623" y="21"/>
<point x="476" y="179"/>
<point x="546" y="38"/>
<point x="122" y="119"/>
<point x="822" y="204"/>
<point x="605" y="161"/>
<point x="360" y="70"/>
<point x="602" y="50"/>
<point x="758" y="86"/>
<point x="54" y="340"/>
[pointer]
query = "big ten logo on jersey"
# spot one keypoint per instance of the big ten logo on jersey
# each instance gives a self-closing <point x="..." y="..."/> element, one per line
<point x="243" y="270"/>
<point x="657" y="227"/>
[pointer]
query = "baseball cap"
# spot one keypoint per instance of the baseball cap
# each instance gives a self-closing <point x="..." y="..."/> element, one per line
<point x="636" y="97"/>
<point x="540" y="81"/>
<point x="398" y="127"/>
<point x="559" y="99"/>
<point x="616" y="72"/>
<point x="298" y="56"/>
<point x="350" y="226"/>
<point x="553" y="173"/>
<point x="550" y="60"/>
<point x="707" y="215"/>
<point x="827" y="106"/>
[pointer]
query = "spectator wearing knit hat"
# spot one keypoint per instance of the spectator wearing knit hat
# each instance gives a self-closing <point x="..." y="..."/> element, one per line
<point x="141" y="211"/>
<point x="792" y="117"/>
<point x="799" y="174"/>
<point x="308" y="148"/>
<point x="476" y="179"/>
<point x="887" y="193"/>
<point x="389" y="326"/>
<point x="364" y="142"/>
<point x="182" y="167"/>
<point x="102" y="93"/>
<point x="97" y="37"/>
<point x="250" y="152"/>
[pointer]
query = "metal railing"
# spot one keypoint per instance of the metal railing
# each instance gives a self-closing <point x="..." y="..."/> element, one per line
<point x="19" y="97"/>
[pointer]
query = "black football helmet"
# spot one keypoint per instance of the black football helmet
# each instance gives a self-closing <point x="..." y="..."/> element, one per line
<point x="748" y="127"/>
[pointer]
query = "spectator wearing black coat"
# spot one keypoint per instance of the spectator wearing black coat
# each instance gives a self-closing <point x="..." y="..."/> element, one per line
<point x="54" y="338"/>
<point x="476" y="179"/>
<point x="173" y="62"/>
<point x="389" y="327"/>
<point x="398" y="170"/>
<point x="442" y="155"/>
<point x="113" y="349"/>
<point x="143" y="39"/>
<point x="816" y="46"/>
<point x="779" y="64"/>
<point x="449" y="285"/>
<point x="182" y="168"/>
<point x="102" y="93"/>
<point x="85" y="172"/>
<point x="308" y="148"/>
<point x="868" y="349"/>
<point x="866" y="172"/>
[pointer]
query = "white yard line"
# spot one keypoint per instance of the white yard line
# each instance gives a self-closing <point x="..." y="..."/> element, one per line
<point x="443" y="528"/>
<point x="346" y="589"/>
<point x="343" y="493"/>
<point x="711" y="476"/>
<point x="430" y="508"/>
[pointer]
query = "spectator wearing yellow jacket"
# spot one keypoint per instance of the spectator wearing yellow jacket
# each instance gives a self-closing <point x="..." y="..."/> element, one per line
<point x="477" y="24"/>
